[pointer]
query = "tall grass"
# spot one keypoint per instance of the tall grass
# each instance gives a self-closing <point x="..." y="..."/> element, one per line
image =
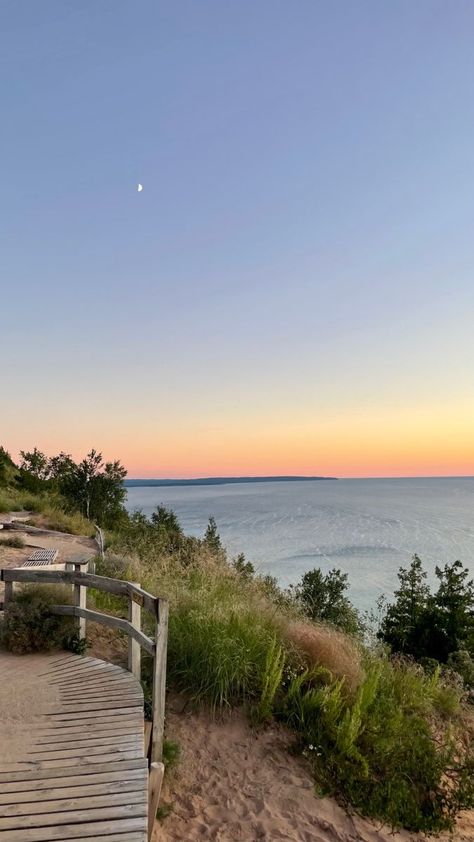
<point x="366" y="723"/>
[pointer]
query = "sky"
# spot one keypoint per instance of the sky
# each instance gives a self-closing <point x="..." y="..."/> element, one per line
<point x="293" y="290"/>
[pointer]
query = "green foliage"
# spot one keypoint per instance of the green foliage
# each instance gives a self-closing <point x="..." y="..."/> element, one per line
<point x="16" y="542"/>
<point x="463" y="664"/>
<point x="431" y="626"/>
<point x="378" y="751"/>
<point x="29" y="626"/>
<point x="212" y="537"/>
<point x="216" y="653"/>
<point x="94" y="487"/>
<point x="323" y="599"/>
<point x="271" y="682"/>
<point x="404" y="623"/>
<point x="171" y="754"/>
<point x="245" y="568"/>
<point x="7" y="467"/>
<point x="73" y="643"/>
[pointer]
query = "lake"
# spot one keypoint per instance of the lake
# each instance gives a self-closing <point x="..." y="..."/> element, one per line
<point x="367" y="528"/>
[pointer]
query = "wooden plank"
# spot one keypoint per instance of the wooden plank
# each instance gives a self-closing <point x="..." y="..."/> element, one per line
<point x="110" y="766"/>
<point x="72" y="803"/>
<point x="79" y="740"/>
<point x="78" y="790"/>
<point x="157" y="771"/>
<point x="134" y="618"/>
<point x="105" y="620"/>
<point x="86" y="832"/>
<point x="124" y="702"/>
<point x="134" y="744"/>
<point x="91" y="715"/>
<point x="126" y="811"/>
<point x="159" y="684"/>
<point x="86" y="778"/>
<point x="89" y="580"/>
<point x="80" y="601"/>
<point x="99" y="738"/>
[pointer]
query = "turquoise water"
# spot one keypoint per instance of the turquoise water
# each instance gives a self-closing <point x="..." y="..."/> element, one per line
<point x="367" y="528"/>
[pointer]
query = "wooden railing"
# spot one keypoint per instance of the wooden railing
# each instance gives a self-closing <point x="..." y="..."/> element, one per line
<point x="137" y="599"/>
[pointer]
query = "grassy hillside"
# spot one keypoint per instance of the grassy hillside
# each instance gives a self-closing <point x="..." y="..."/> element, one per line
<point x="382" y="733"/>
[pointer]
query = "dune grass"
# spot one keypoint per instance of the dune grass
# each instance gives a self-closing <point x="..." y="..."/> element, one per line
<point x="380" y="733"/>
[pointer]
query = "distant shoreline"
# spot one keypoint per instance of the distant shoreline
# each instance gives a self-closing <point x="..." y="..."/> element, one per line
<point x="136" y="483"/>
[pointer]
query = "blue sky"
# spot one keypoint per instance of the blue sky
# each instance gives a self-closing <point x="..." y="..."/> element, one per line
<point x="301" y="256"/>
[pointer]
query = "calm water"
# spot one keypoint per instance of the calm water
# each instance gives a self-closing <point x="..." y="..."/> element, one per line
<point x="367" y="528"/>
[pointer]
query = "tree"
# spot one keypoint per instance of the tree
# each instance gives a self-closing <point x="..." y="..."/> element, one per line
<point x="212" y="537"/>
<point x="454" y="610"/>
<point x="243" y="567"/>
<point x="404" y="624"/>
<point x="35" y="463"/>
<point x="94" y="487"/>
<point x="167" y="524"/>
<point x="61" y="467"/>
<point x="323" y="598"/>
<point x="6" y="465"/>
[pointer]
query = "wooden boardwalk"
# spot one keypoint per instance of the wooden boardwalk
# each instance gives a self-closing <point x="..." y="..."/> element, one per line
<point x="80" y="772"/>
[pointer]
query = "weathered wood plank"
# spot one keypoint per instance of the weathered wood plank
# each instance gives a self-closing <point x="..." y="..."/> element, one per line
<point x="78" y="791"/>
<point x="36" y="784"/>
<point x="126" y="811"/>
<point x="115" y="765"/>
<point x="72" y="803"/>
<point x="83" y="831"/>
<point x="89" y="580"/>
<point x="106" y="620"/>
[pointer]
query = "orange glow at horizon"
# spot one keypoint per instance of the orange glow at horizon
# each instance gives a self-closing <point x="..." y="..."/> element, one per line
<point x="431" y="441"/>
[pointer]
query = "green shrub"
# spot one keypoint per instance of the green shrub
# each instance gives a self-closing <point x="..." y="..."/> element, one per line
<point x="463" y="664"/>
<point x="8" y="502"/>
<point x="16" y="542"/>
<point x="271" y="682"/>
<point x="29" y="626"/>
<point x="378" y="751"/>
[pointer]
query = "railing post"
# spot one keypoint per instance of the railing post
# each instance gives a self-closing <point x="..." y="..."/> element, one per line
<point x="159" y="682"/>
<point x="155" y="780"/>
<point x="8" y="593"/>
<point x="80" y="601"/>
<point x="135" y="618"/>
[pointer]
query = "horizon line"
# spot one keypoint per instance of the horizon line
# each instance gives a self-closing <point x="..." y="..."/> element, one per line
<point x="307" y="477"/>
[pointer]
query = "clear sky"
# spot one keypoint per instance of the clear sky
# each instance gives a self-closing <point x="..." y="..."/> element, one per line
<point x="293" y="290"/>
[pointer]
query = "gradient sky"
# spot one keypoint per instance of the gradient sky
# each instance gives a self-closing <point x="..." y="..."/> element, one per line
<point x="293" y="290"/>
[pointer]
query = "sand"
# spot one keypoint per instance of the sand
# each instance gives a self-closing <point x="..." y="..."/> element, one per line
<point x="235" y="785"/>
<point x="25" y="697"/>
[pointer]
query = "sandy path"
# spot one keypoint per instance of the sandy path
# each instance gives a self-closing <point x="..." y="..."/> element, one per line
<point x="25" y="698"/>
<point x="233" y="785"/>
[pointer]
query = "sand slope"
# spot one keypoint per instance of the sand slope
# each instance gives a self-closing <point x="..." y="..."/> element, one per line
<point x="233" y="785"/>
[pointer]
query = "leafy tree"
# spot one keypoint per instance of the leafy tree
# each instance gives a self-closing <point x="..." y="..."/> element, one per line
<point x="323" y="598"/>
<point x="61" y="468"/>
<point x="405" y="620"/>
<point x="94" y="487"/>
<point x="212" y="537"/>
<point x="35" y="463"/>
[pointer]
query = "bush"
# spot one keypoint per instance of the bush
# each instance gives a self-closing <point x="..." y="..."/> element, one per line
<point x="323" y="599"/>
<point x="378" y="751"/>
<point x="16" y="542"/>
<point x="463" y="664"/>
<point x="29" y="626"/>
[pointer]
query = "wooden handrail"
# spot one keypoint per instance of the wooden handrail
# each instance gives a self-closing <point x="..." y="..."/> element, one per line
<point x="137" y="599"/>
